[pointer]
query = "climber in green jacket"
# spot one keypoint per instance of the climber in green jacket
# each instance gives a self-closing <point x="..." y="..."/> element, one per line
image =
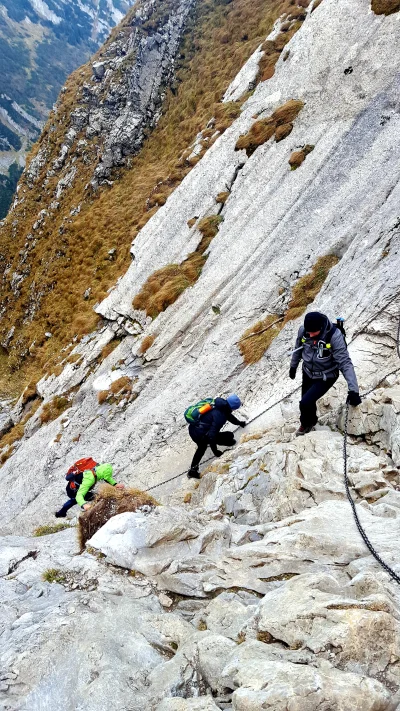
<point x="103" y="472"/>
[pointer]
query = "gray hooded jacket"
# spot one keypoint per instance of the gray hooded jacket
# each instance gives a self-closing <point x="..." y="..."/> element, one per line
<point x="321" y="362"/>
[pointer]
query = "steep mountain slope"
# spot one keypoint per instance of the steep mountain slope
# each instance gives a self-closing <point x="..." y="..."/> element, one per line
<point x="99" y="124"/>
<point x="40" y="44"/>
<point x="275" y="602"/>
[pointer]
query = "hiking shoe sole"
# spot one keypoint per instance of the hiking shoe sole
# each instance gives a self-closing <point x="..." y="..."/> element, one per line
<point x="303" y="431"/>
<point x="193" y="475"/>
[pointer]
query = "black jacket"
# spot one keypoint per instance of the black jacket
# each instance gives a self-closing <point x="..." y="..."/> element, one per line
<point x="212" y="422"/>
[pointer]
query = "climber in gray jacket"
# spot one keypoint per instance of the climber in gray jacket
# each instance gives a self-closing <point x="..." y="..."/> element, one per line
<point x="323" y="350"/>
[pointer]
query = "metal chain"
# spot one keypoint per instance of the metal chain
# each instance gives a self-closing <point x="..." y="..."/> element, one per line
<point x="253" y="419"/>
<point x="361" y="531"/>
<point x="270" y="407"/>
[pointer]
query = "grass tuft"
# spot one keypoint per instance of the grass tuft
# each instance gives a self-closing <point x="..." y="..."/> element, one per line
<point x="279" y="124"/>
<point x="146" y="343"/>
<point x="298" y="157"/>
<point x="385" y="7"/>
<point x="102" y="396"/>
<point x="49" y="529"/>
<point x="165" y="285"/>
<point x="122" y="384"/>
<point x="308" y="286"/>
<point x="109" y="348"/>
<point x="110" y="502"/>
<point x="53" y="575"/>
<point x="54" y="408"/>
<point x="222" y="197"/>
<point x="257" y="339"/>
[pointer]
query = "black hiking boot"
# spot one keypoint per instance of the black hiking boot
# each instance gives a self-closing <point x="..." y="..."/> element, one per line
<point x="193" y="473"/>
<point x="60" y="514"/>
<point x="304" y="430"/>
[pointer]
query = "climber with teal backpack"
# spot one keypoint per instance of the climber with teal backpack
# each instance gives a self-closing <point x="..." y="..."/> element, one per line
<point x="322" y="348"/>
<point x="206" y="418"/>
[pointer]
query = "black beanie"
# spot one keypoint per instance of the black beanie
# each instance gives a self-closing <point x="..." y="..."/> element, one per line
<point x="314" y="321"/>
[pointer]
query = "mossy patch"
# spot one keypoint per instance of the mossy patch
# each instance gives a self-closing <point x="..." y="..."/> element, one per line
<point x="279" y="124"/>
<point x="54" y="575"/>
<point x="47" y="530"/>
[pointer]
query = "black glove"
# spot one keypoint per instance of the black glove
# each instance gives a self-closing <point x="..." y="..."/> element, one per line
<point x="292" y="373"/>
<point x="242" y="423"/>
<point x="218" y="453"/>
<point x="353" y="398"/>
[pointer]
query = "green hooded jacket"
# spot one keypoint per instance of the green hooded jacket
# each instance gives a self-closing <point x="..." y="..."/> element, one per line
<point x="103" y="473"/>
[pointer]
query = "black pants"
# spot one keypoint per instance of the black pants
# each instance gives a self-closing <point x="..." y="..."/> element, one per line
<point x="226" y="439"/>
<point x="72" y="501"/>
<point x="313" y="390"/>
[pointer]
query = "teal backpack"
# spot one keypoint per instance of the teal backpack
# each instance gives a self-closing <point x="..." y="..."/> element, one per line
<point x="194" y="412"/>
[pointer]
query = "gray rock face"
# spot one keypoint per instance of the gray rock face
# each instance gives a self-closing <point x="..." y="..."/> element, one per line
<point x="260" y="592"/>
<point x="123" y="96"/>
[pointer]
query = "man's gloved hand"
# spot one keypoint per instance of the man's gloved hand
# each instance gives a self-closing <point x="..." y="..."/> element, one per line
<point x="242" y="423"/>
<point x="353" y="398"/>
<point x="218" y="453"/>
<point x="292" y="373"/>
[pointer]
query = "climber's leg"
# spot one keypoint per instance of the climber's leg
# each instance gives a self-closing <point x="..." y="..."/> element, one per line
<point x="312" y="390"/>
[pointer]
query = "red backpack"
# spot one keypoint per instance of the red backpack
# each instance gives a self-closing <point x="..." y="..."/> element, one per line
<point x="74" y="474"/>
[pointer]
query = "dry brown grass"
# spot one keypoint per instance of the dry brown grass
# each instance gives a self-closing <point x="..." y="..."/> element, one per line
<point x="29" y="393"/>
<point x="316" y="4"/>
<point x="298" y="157"/>
<point x="257" y="339"/>
<point x="273" y="48"/>
<point x="47" y="530"/>
<point x="249" y="437"/>
<point x="17" y="431"/>
<point x="54" y="408"/>
<point x="307" y="288"/>
<point x="279" y="124"/>
<point x="385" y="7"/>
<point x="165" y="285"/>
<point x="110" y="502"/>
<point x="102" y="396"/>
<point x="122" y="384"/>
<point x="222" y="197"/>
<point x="109" y="348"/>
<point x="71" y="245"/>
<point x="146" y="343"/>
